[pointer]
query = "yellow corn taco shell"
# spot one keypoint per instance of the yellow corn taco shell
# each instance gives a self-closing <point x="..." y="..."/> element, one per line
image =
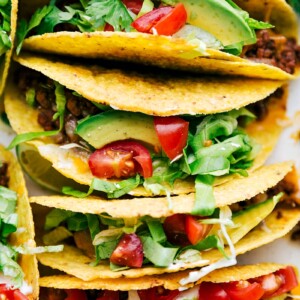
<point x="170" y="52"/>
<point x="168" y="281"/>
<point x="150" y="94"/>
<point x="73" y="262"/>
<point x="5" y="61"/>
<point x="25" y="220"/>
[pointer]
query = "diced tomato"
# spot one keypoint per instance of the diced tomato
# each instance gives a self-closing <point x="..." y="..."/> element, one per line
<point x="133" y="5"/>
<point x="74" y="294"/>
<point x="129" y="252"/>
<point x="172" y="22"/>
<point x="108" y="27"/>
<point x="172" y="133"/>
<point x="121" y="159"/>
<point x="243" y="290"/>
<point x="288" y="281"/>
<point x="164" y="20"/>
<point x="195" y="230"/>
<point x="174" y="227"/>
<point x="108" y="295"/>
<point x="157" y="293"/>
<point x="11" y="294"/>
<point x="212" y="291"/>
<point x="19" y="296"/>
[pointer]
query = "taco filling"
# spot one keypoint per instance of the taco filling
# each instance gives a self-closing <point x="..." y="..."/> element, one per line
<point x="5" y="41"/>
<point x="163" y="242"/>
<point x="276" y="285"/>
<point x="220" y="25"/>
<point x="13" y="284"/>
<point x="133" y="149"/>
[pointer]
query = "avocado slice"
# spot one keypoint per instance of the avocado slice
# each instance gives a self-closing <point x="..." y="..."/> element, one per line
<point x="247" y="219"/>
<point x="114" y="125"/>
<point x="220" y="18"/>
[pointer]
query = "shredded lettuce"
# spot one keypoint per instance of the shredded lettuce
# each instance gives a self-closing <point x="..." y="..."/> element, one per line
<point x="5" y="42"/>
<point x="113" y="190"/>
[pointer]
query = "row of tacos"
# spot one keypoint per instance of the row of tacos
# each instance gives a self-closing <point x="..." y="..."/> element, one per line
<point x="167" y="178"/>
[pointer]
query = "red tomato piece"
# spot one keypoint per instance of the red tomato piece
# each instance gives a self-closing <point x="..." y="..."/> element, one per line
<point x="108" y="27"/>
<point x="148" y="20"/>
<point x="129" y="252"/>
<point x="157" y="293"/>
<point x="172" y="133"/>
<point x="74" y="294"/>
<point x="133" y="5"/>
<point x="287" y="279"/>
<point x="121" y="159"/>
<point x="243" y="290"/>
<point x="212" y="291"/>
<point x="174" y="227"/>
<point x="108" y="295"/>
<point x="19" y="296"/>
<point x="195" y="231"/>
<point x="172" y="22"/>
<point x="9" y="293"/>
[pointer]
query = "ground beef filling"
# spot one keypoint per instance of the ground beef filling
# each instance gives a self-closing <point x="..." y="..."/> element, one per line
<point x="4" y="179"/>
<point x="288" y="187"/>
<point x="275" y="50"/>
<point x="77" y="107"/>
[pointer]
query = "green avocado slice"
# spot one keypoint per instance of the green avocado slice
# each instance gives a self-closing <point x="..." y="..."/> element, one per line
<point x="247" y="219"/>
<point x="114" y="125"/>
<point x="219" y="18"/>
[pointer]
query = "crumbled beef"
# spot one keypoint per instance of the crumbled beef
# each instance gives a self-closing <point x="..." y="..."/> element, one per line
<point x="287" y="185"/>
<point x="4" y="179"/>
<point x="261" y="108"/>
<point x="275" y="50"/>
<point x="84" y="242"/>
<point x="77" y="107"/>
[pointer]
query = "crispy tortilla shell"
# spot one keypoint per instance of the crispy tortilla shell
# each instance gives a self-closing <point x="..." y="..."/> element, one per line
<point x="153" y="93"/>
<point x="72" y="164"/>
<point x="226" y="194"/>
<point x="168" y="281"/>
<point x="73" y="262"/>
<point x="4" y="67"/>
<point x="171" y="53"/>
<point x="25" y="220"/>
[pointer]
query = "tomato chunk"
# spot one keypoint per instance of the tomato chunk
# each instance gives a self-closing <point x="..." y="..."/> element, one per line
<point x="9" y="293"/>
<point x="121" y="159"/>
<point x="157" y="293"/>
<point x="195" y="231"/>
<point x="174" y="227"/>
<point x="165" y="20"/>
<point x="212" y="291"/>
<point x="172" y="133"/>
<point x="108" y="295"/>
<point x="74" y="294"/>
<point x="172" y="22"/>
<point x="287" y="279"/>
<point x="129" y="252"/>
<point x="133" y="5"/>
<point x="243" y="290"/>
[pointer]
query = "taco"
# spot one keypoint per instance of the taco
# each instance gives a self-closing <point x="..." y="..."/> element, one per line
<point x="74" y="91"/>
<point x="8" y="25"/>
<point x="19" y="273"/>
<point x="139" y="237"/>
<point x="204" y="36"/>
<point x="239" y="282"/>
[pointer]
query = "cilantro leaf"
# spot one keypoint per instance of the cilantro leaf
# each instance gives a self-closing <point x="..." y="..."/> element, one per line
<point x="113" y="12"/>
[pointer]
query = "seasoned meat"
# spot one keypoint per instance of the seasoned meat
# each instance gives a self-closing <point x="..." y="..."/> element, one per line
<point x="77" y="107"/>
<point x="83" y="241"/>
<point x="4" y="179"/>
<point x="275" y="50"/>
